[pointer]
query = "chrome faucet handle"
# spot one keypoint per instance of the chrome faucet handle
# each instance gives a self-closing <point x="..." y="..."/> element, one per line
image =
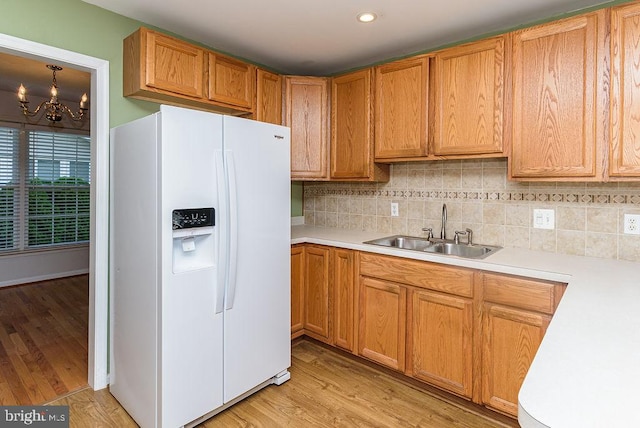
<point x="429" y="231"/>
<point x="469" y="236"/>
<point x="458" y="233"/>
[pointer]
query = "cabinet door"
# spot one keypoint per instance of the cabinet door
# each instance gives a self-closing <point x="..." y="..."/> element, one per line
<point x="173" y="65"/>
<point x="306" y="101"/>
<point x="297" y="291"/>
<point x="344" y="298"/>
<point x="382" y="324"/>
<point x="401" y="108"/>
<point x="510" y="340"/>
<point x="558" y="118"/>
<point x="230" y="81"/>
<point x="624" y="157"/>
<point x="316" y="292"/>
<point x="468" y="85"/>
<point x="268" y="97"/>
<point x="352" y="129"/>
<point x="441" y="341"/>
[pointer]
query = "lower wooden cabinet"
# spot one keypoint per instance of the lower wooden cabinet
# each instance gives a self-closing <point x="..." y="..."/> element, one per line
<point x="316" y="292"/>
<point x="516" y="313"/>
<point x="440" y="341"/>
<point x="510" y="339"/>
<point x="297" y="291"/>
<point x="382" y="324"/>
<point x="323" y="294"/>
<point x="344" y="298"/>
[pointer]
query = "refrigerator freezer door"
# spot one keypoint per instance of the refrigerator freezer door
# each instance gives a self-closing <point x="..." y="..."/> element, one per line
<point x="191" y="332"/>
<point x="134" y="294"/>
<point x="256" y="328"/>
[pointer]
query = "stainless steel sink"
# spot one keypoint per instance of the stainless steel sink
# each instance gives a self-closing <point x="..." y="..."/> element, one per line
<point x="436" y="246"/>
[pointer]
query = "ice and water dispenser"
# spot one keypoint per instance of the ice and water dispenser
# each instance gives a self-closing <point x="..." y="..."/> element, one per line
<point x="193" y="239"/>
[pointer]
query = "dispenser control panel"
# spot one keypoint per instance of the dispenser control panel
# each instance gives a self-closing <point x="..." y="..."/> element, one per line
<point x="193" y="217"/>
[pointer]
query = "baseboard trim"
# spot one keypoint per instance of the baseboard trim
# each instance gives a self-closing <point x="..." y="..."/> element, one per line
<point x="30" y="279"/>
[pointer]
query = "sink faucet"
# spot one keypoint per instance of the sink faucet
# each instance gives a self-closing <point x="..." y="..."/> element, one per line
<point x="443" y="230"/>
<point x="467" y="232"/>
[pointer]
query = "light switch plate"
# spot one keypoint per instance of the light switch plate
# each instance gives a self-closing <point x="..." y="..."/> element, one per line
<point x="544" y="219"/>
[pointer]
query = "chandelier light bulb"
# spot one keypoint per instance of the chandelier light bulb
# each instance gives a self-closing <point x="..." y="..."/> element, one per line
<point x="22" y="93"/>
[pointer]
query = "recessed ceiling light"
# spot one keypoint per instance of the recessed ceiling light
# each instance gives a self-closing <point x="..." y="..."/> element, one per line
<point x="367" y="17"/>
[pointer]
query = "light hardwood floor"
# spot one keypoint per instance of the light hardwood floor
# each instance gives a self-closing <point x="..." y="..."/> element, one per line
<point x="326" y="389"/>
<point x="43" y="340"/>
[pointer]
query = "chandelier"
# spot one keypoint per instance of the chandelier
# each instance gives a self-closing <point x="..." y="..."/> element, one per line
<point x="53" y="108"/>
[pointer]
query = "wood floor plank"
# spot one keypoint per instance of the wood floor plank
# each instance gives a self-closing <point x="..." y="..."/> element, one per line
<point x="36" y="374"/>
<point x="27" y="380"/>
<point x="19" y="347"/>
<point x="12" y="377"/>
<point x="6" y="395"/>
<point x="65" y="368"/>
<point x="88" y="408"/>
<point x="43" y="363"/>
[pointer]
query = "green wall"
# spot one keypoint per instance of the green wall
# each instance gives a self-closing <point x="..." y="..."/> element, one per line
<point x="80" y="27"/>
<point x="296" y="199"/>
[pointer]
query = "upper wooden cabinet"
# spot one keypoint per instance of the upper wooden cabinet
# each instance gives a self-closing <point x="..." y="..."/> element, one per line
<point x="559" y="116"/>
<point x="160" y="68"/>
<point x="230" y="81"/>
<point x="401" y="96"/>
<point x="624" y="154"/>
<point x="306" y="100"/>
<point x="468" y="92"/>
<point x="156" y="62"/>
<point x="352" y="129"/>
<point x="268" y="97"/>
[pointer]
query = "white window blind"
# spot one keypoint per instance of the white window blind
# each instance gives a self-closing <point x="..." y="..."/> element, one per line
<point x="44" y="189"/>
<point x="58" y="198"/>
<point x="9" y="189"/>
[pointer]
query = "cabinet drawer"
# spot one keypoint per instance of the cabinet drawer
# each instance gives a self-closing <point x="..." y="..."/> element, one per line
<point x="458" y="281"/>
<point x="535" y="295"/>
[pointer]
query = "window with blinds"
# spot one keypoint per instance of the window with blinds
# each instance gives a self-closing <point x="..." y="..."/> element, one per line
<point x="44" y="189"/>
<point x="9" y="189"/>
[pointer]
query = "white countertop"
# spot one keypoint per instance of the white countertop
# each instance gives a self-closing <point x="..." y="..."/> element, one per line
<point x="587" y="370"/>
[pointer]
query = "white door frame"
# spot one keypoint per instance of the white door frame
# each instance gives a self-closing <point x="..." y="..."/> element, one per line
<point x="99" y="202"/>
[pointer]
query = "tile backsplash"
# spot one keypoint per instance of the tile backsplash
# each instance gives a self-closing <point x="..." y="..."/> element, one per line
<point x="588" y="216"/>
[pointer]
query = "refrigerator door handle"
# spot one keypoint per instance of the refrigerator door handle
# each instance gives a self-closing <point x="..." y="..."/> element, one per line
<point x="233" y="229"/>
<point x="223" y="234"/>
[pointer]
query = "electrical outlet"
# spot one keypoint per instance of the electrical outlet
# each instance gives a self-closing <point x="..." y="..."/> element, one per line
<point x="632" y="224"/>
<point x="544" y="219"/>
<point x="395" y="211"/>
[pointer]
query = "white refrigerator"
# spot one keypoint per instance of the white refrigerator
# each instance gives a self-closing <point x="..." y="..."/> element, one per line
<point x="200" y="263"/>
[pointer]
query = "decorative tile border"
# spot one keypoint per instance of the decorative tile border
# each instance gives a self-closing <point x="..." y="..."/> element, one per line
<point x="555" y="197"/>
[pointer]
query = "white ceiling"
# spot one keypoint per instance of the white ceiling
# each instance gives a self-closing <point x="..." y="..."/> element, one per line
<point x="322" y="37"/>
